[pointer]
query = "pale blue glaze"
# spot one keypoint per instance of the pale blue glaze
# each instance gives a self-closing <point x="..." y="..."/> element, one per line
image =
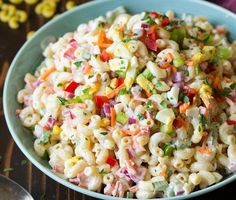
<point x="30" y="55"/>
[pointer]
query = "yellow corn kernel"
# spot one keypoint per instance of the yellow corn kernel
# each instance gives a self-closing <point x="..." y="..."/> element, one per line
<point x="4" y="6"/>
<point x="105" y="122"/>
<point x="107" y="90"/>
<point x="205" y="90"/>
<point x="48" y="12"/>
<point x="70" y="5"/>
<point x="50" y="4"/>
<point x="39" y="8"/>
<point x="94" y="88"/>
<point x="30" y="34"/>
<point x="144" y="83"/>
<point x="22" y="15"/>
<point x="16" y="1"/>
<point x="13" y="23"/>
<point x="128" y="82"/>
<point x="1" y="3"/>
<point x="4" y="17"/>
<point x="56" y="130"/>
<point x="113" y="83"/>
<point x="11" y="10"/>
<point x="197" y="58"/>
<point x="73" y="161"/>
<point x="31" y="2"/>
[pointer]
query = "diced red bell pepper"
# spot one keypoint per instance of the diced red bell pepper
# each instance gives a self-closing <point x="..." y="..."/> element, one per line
<point x="72" y="86"/>
<point x="230" y="122"/>
<point x="69" y="54"/>
<point x="120" y="81"/>
<point x="151" y="44"/>
<point x="111" y="161"/>
<point x="73" y="43"/>
<point x="154" y="14"/>
<point x="105" y="56"/>
<point x="100" y="100"/>
<point x="165" y="21"/>
<point x="179" y="122"/>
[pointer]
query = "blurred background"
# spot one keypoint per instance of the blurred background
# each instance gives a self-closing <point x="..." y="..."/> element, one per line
<point x="19" y="19"/>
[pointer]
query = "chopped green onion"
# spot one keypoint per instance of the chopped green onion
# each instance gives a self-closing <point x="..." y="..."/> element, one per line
<point x="122" y="118"/>
<point x="160" y="185"/>
<point x="59" y="85"/>
<point x="186" y="72"/>
<point x="178" y="62"/>
<point x="148" y="75"/>
<point x="62" y="100"/>
<point x="168" y="149"/>
<point x="233" y="86"/>
<point x="206" y="81"/>
<point x="209" y="39"/>
<point x="120" y="73"/>
<point x="202" y="120"/>
<point x="85" y="94"/>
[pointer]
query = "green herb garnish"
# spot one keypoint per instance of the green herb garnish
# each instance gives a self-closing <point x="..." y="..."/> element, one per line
<point x="23" y="162"/>
<point x="103" y="172"/>
<point x="44" y="139"/>
<point x="103" y="133"/>
<point x="78" y="64"/>
<point x="123" y="91"/>
<point x="233" y="86"/>
<point x="140" y="116"/>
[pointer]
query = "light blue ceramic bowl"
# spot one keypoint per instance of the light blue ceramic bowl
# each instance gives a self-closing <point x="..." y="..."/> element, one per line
<point x="30" y="56"/>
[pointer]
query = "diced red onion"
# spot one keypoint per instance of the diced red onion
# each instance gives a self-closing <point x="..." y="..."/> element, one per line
<point x="151" y="44"/>
<point x="73" y="43"/>
<point x="37" y="83"/>
<point x="131" y="120"/>
<point x="161" y="62"/>
<point x="131" y="152"/>
<point x="178" y="77"/>
<point x="181" y="192"/>
<point x="141" y="172"/>
<point x="75" y="180"/>
<point x="106" y="109"/>
<point x="179" y="85"/>
<point x="202" y="110"/>
<point x="70" y="95"/>
<point x="144" y="25"/>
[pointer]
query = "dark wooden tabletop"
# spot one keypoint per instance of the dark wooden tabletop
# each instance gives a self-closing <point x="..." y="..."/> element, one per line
<point x="13" y="163"/>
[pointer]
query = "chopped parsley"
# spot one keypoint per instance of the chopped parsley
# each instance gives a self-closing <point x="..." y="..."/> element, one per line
<point x="62" y="100"/>
<point x="103" y="133"/>
<point x="59" y="85"/>
<point x="23" y="162"/>
<point x="186" y="73"/>
<point x="127" y="40"/>
<point x="233" y="86"/>
<point x="149" y="19"/>
<point x="78" y="64"/>
<point x="225" y="92"/>
<point x="140" y="116"/>
<point x="202" y="120"/>
<point x="206" y="81"/>
<point x="8" y="169"/>
<point x="44" y="137"/>
<point x="103" y="172"/>
<point x="90" y="76"/>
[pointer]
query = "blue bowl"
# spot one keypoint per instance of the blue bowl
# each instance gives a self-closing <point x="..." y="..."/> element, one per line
<point x="30" y="55"/>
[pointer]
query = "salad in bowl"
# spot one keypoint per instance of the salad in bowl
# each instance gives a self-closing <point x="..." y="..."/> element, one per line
<point x="137" y="105"/>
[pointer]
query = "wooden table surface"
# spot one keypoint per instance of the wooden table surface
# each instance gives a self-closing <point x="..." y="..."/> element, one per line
<point x="39" y="185"/>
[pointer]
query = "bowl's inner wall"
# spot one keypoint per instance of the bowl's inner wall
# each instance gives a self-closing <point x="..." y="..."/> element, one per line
<point x="31" y="55"/>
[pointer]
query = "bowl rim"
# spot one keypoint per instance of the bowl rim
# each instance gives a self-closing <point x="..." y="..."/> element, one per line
<point x="47" y="171"/>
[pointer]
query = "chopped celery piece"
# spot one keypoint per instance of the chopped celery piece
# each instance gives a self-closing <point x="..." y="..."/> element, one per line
<point x="122" y="118"/>
<point x="168" y="149"/>
<point x="148" y="75"/>
<point x="224" y="53"/>
<point x="178" y="62"/>
<point x="160" y="185"/>
<point x="178" y="35"/>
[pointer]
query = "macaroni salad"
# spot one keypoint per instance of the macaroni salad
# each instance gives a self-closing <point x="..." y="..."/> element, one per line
<point x="137" y="105"/>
